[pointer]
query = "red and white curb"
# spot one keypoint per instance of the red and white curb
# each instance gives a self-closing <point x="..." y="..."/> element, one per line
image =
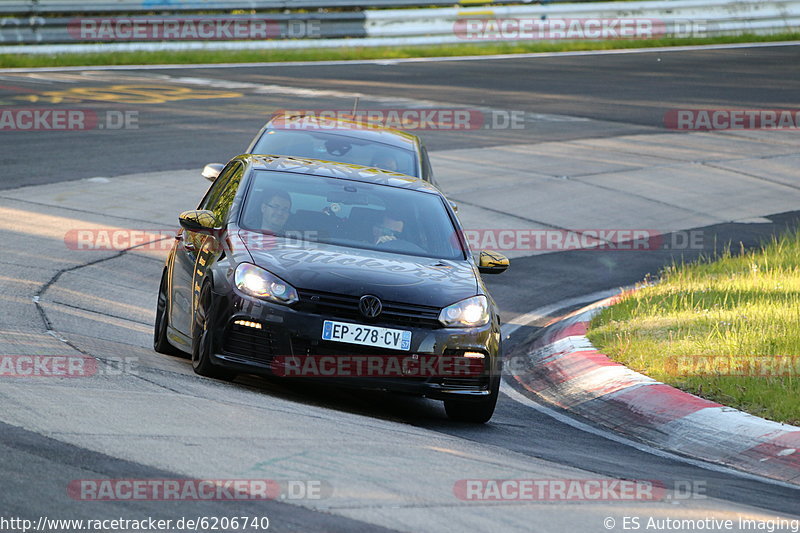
<point x="564" y="369"/>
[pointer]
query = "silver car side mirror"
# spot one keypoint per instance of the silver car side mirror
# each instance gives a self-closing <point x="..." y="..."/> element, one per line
<point x="212" y="170"/>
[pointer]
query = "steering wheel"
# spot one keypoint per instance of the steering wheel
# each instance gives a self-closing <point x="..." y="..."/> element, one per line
<point x="338" y="148"/>
<point x="401" y="245"/>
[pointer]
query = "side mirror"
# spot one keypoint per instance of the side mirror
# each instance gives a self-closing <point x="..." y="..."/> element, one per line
<point x="492" y="263"/>
<point x="198" y="221"/>
<point x="212" y="170"/>
<point x="454" y="206"/>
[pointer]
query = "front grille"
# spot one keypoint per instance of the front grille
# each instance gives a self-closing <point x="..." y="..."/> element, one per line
<point x="477" y="383"/>
<point x="304" y="347"/>
<point x="473" y="382"/>
<point x="344" y="306"/>
<point x="257" y="345"/>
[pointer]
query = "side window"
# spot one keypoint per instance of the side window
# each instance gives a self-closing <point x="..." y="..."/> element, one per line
<point x="216" y="188"/>
<point x="223" y="202"/>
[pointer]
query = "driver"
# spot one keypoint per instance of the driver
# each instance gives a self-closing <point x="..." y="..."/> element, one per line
<point x="275" y="210"/>
<point x="388" y="229"/>
<point x="337" y="147"/>
<point x="385" y="162"/>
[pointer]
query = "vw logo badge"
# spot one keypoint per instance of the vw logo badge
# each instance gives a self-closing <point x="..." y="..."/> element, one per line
<point x="370" y="306"/>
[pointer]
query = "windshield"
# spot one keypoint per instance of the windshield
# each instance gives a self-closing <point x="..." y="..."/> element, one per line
<point x="350" y="213"/>
<point x="332" y="146"/>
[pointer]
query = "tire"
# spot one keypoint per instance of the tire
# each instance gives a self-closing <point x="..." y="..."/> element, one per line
<point x="160" y="342"/>
<point x="473" y="411"/>
<point x="202" y="338"/>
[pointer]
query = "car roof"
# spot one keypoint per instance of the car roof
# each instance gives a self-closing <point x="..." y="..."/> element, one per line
<point x="318" y="167"/>
<point x="347" y="127"/>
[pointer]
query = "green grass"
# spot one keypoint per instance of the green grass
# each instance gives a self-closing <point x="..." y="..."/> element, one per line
<point x="356" y="52"/>
<point x="735" y="308"/>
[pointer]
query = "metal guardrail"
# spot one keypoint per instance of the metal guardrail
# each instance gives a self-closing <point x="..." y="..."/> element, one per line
<point x="706" y="17"/>
<point x="60" y="30"/>
<point x="390" y="27"/>
<point x="39" y="7"/>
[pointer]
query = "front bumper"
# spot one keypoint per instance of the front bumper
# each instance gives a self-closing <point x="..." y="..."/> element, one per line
<point x="275" y="336"/>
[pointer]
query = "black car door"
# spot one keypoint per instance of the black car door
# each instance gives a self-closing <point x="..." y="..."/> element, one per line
<point x="212" y="246"/>
<point x="187" y="251"/>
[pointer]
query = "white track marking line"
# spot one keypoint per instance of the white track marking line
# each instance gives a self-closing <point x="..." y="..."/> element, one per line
<point x="542" y="312"/>
<point x="390" y="62"/>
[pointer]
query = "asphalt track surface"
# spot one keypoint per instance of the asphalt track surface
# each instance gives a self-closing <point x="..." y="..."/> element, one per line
<point x="621" y="94"/>
<point x="630" y="93"/>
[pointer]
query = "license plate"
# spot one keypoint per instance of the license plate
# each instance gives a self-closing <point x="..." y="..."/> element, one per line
<point x="396" y="339"/>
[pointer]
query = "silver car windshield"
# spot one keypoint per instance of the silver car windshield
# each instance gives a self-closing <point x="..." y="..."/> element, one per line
<point x="350" y="213"/>
<point x="334" y="146"/>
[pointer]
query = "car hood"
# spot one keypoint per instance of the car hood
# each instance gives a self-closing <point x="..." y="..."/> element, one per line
<point x="355" y="272"/>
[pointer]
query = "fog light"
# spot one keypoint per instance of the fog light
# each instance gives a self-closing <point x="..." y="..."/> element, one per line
<point x="247" y="324"/>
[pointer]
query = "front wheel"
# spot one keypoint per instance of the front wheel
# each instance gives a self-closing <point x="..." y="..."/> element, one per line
<point x="160" y="342"/>
<point x="474" y="411"/>
<point x="202" y="336"/>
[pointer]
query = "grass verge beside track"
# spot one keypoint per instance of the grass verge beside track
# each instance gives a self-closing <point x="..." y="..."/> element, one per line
<point x="346" y="52"/>
<point x="727" y="330"/>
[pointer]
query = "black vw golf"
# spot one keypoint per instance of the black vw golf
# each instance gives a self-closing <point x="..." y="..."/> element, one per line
<point x="362" y="277"/>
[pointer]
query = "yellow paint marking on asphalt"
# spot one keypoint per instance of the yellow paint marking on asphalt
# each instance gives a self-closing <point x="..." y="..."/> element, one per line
<point x="127" y="94"/>
<point x="471" y="13"/>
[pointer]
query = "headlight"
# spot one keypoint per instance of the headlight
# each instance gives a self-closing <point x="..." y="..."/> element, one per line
<point x="467" y="313"/>
<point x="257" y="282"/>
